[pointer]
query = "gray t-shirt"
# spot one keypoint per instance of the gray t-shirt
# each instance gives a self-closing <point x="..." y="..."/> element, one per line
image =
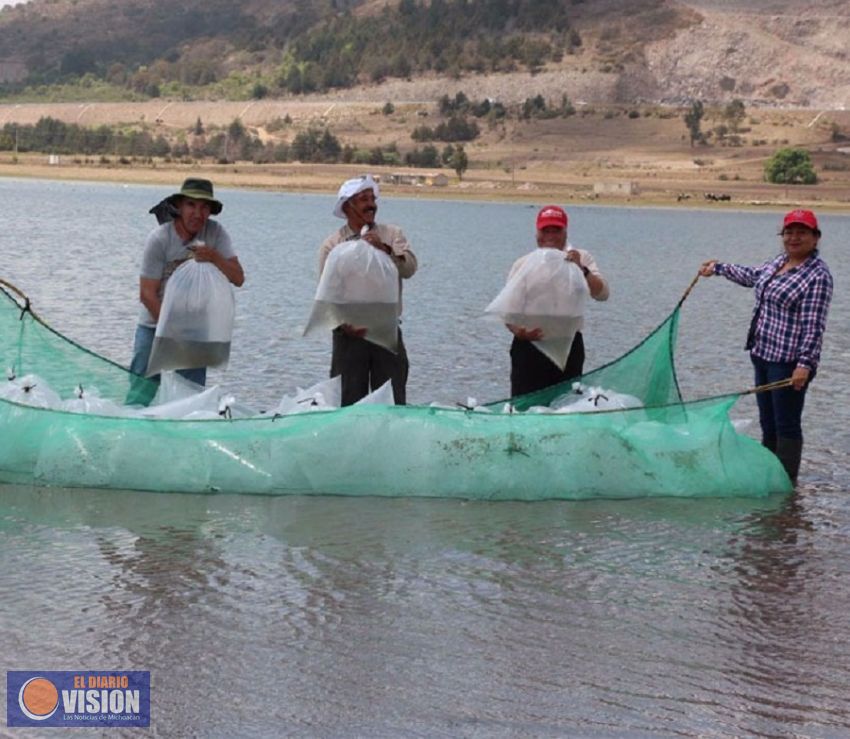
<point x="165" y="251"/>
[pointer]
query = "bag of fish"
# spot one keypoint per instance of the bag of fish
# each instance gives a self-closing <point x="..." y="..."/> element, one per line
<point x="195" y="324"/>
<point x="547" y="292"/>
<point x="358" y="287"/>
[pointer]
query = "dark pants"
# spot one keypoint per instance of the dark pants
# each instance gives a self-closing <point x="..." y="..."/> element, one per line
<point x="532" y="370"/>
<point x="780" y="411"/>
<point x="365" y="366"/>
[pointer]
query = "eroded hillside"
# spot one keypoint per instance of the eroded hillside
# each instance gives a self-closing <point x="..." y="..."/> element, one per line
<point x="773" y="52"/>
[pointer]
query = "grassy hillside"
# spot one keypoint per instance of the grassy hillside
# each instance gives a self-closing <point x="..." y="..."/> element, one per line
<point x="136" y="49"/>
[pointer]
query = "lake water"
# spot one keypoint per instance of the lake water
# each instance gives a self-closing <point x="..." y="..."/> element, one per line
<point x="374" y="617"/>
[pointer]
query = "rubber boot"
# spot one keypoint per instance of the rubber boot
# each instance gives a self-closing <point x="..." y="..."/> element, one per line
<point x="789" y="452"/>
<point x="769" y="443"/>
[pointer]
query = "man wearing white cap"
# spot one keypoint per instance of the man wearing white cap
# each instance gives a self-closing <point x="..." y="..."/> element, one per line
<point x="365" y="366"/>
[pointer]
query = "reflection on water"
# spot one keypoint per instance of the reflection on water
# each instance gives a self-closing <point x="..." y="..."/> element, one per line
<point x="380" y="617"/>
<point x="371" y="616"/>
<point x="786" y="607"/>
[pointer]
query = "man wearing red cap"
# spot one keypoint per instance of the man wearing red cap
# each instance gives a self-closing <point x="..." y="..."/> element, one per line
<point x="793" y="292"/>
<point x="531" y="369"/>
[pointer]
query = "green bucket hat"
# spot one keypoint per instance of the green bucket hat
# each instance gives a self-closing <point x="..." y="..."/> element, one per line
<point x="197" y="189"/>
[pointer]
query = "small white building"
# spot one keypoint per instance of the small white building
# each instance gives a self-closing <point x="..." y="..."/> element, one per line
<point x="617" y="188"/>
<point x="404" y="178"/>
<point x="439" y="179"/>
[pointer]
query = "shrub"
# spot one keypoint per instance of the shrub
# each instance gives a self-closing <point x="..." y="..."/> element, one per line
<point x="791" y="166"/>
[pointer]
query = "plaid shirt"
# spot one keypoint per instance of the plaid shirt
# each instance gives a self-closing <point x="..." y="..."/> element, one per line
<point x="791" y="308"/>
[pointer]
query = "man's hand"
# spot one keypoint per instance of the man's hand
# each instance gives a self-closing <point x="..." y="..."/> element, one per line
<point x="204" y="253"/>
<point x="525" y="334"/>
<point x="375" y="240"/>
<point x="594" y="283"/>
<point x="230" y="268"/>
<point x="352" y="331"/>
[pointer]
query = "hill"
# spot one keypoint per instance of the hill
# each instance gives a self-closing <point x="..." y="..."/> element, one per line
<point x="600" y="51"/>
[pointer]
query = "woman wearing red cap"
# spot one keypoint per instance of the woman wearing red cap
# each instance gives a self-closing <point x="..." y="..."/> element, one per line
<point x="793" y="292"/>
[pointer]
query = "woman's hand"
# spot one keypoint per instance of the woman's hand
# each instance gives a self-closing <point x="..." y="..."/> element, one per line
<point x="800" y="377"/>
<point x="706" y="269"/>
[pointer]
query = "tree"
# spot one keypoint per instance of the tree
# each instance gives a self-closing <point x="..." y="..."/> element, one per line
<point x="456" y="128"/>
<point x="428" y="156"/>
<point x="422" y="133"/>
<point x="314" y="145"/>
<point x="693" y="119"/>
<point x="790" y="167"/>
<point x="236" y="130"/>
<point x="459" y="161"/>
<point x="533" y="107"/>
<point x="77" y="62"/>
<point x="293" y="80"/>
<point x="734" y="113"/>
<point x="567" y="107"/>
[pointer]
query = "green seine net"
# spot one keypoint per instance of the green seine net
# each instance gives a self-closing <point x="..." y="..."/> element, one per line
<point x="667" y="448"/>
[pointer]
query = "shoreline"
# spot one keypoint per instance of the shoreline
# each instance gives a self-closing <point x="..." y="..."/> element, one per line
<point x="478" y="185"/>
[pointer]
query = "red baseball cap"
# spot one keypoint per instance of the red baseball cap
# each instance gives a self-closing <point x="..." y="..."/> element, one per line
<point x="551" y="215"/>
<point x="803" y="217"/>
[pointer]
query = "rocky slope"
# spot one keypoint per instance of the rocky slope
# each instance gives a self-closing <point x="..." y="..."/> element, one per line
<point x="776" y="53"/>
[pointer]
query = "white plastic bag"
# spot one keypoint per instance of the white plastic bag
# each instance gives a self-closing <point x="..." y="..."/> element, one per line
<point x="30" y="390"/>
<point x="382" y="396"/>
<point x="323" y="396"/>
<point x="358" y="286"/>
<point x="195" y="324"/>
<point x="589" y="399"/>
<point x="88" y="400"/>
<point x="175" y="387"/>
<point x="208" y="400"/>
<point x="547" y="292"/>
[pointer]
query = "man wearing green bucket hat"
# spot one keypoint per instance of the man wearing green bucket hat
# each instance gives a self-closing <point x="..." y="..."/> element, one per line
<point x="191" y="234"/>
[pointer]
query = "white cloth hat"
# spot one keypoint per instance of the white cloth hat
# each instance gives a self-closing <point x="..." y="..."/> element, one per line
<point x="350" y="188"/>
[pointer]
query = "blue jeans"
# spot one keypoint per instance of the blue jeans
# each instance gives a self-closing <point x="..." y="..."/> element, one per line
<point x="780" y="411"/>
<point x="142" y="345"/>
